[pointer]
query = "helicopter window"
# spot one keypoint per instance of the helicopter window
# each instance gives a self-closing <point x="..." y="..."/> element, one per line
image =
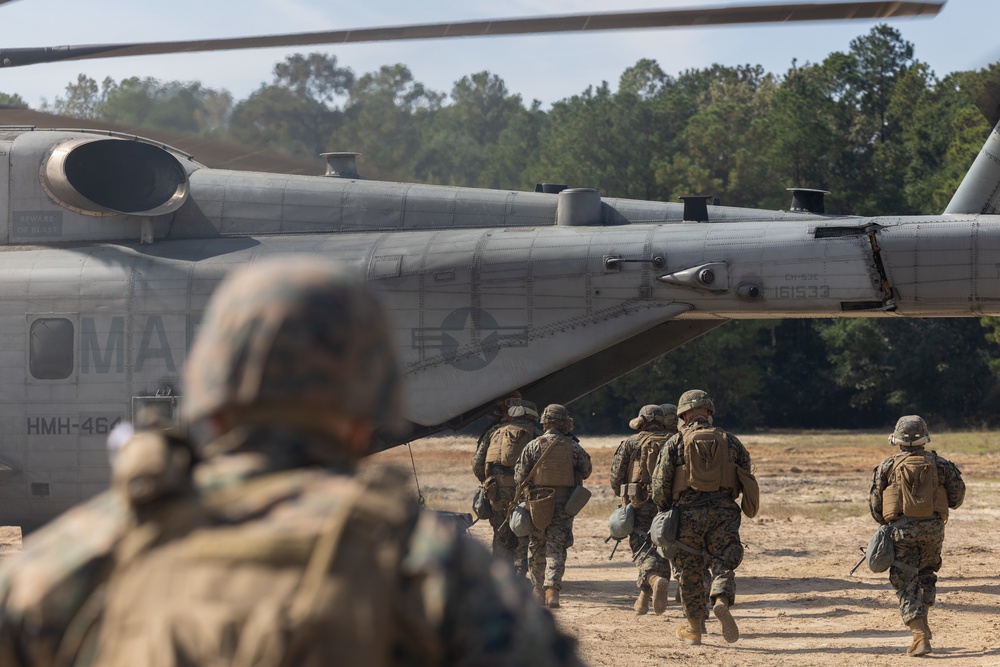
<point x="51" y="349"/>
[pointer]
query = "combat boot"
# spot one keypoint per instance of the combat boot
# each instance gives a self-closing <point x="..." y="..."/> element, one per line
<point x="660" y="587"/>
<point x="642" y="603"/>
<point x="690" y="632"/>
<point x="730" y="631"/>
<point x="538" y="593"/>
<point x="551" y="598"/>
<point x="921" y="644"/>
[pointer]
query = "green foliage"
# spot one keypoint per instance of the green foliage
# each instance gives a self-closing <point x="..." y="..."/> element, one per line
<point x="184" y="107"/>
<point x="15" y="101"/>
<point x="83" y="97"/>
<point x="726" y="362"/>
<point x="385" y="114"/>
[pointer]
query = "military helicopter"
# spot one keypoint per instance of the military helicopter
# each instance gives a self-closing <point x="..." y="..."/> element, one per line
<point x="111" y="245"/>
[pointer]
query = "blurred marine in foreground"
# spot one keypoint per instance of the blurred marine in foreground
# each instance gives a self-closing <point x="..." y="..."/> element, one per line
<point x="262" y="546"/>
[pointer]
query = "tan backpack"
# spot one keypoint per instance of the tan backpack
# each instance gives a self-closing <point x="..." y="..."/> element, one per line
<point x="706" y="461"/>
<point x="914" y="489"/>
<point x="507" y="443"/>
<point x="642" y="464"/>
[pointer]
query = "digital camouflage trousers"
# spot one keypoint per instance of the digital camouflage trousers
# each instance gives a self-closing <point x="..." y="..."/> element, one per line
<point x="712" y="533"/>
<point x="918" y="544"/>
<point x="652" y="564"/>
<point x="547" y="551"/>
<point x="506" y="545"/>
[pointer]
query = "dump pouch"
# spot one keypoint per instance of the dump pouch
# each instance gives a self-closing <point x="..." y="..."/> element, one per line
<point x="541" y="506"/>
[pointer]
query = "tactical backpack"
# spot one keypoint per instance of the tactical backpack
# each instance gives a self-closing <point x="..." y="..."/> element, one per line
<point x="914" y="490"/>
<point x="641" y="465"/>
<point x="507" y="443"/>
<point x="706" y="462"/>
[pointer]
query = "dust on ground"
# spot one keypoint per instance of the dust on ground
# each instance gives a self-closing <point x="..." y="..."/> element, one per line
<point x="796" y="604"/>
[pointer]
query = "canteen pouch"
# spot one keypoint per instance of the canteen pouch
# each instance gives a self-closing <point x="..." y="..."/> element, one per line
<point x="881" y="552"/>
<point x="520" y="520"/>
<point x="621" y="523"/>
<point x="577" y="500"/>
<point x="750" y="502"/>
<point x="481" y="507"/>
<point x="541" y="506"/>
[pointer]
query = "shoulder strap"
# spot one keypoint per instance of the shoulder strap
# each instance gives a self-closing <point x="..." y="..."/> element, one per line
<point x="534" y="468"/>
<point x="307" y="591"/>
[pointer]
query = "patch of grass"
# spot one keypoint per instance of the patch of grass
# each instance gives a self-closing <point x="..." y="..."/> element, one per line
<point x="967" y="442"/>
<point x="822" y="512"/>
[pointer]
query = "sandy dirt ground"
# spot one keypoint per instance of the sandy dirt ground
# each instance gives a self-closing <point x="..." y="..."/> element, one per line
<point x="796" y="604"/>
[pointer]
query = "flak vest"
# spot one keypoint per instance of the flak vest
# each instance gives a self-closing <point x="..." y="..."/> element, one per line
<point x="556" y="470"/>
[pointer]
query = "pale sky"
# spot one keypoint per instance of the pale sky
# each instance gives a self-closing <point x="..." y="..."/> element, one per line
<point x="548" y="67"/>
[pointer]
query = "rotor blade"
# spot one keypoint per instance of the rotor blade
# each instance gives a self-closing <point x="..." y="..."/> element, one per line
<point x="670" y="18"/>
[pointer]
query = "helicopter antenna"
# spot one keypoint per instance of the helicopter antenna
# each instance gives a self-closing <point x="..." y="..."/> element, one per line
<point x="416" y="480"/>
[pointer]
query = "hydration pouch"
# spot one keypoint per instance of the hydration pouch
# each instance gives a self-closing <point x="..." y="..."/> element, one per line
<point x="577" y="500"/>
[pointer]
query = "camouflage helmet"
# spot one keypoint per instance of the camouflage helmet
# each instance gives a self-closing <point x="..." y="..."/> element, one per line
<point x="288" y="341"/>
<point x="694" y="399"/>
<point x="910" y="431"/>
<point x="621" y="523"/>
<point x="501" y="404"/>
<point x="558" y="416"/>
<point x="669" y="415"/>
<point x="648" y="414"/>
<point x="519" y="408"/>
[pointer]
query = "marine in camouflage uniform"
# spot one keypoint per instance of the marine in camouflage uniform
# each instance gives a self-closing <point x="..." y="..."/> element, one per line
<point x="917" y="540"/>
<point x="493" y="465"/>
<point x="709" y="526"/>
<point x="630" y="478"/>
<point x="565" y="467"/>
<point x="497" y="416"/>
<point x="270" y="550"/>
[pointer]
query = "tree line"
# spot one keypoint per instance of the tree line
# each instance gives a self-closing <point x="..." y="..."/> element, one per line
<point x="873" y="124"/>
